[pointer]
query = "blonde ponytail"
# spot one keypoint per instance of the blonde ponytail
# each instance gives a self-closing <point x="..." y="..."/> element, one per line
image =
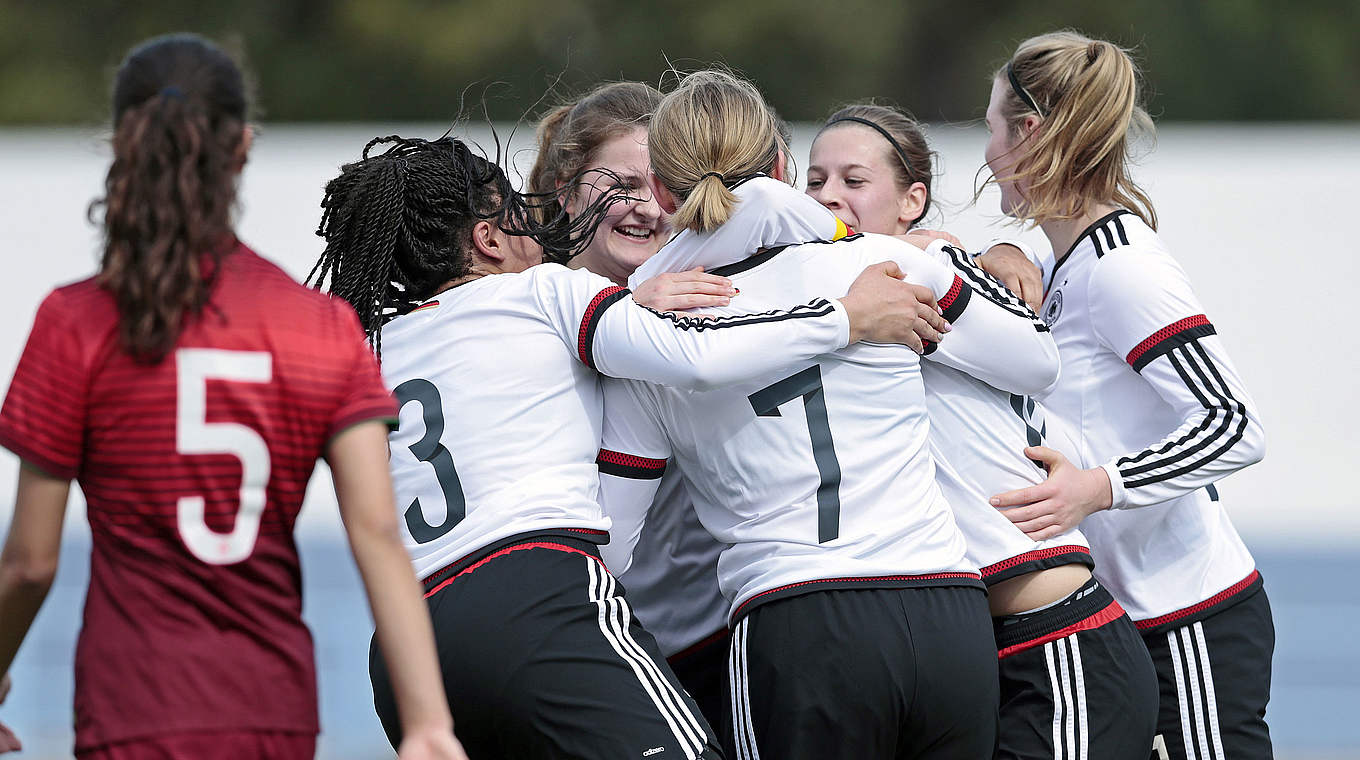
<point x="709" y="133"/>
<point x="1087" y="94"/>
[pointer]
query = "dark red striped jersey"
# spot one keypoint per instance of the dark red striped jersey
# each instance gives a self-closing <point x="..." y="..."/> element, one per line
<point x="1154" y="399"/>
<point x="194" y="471"/>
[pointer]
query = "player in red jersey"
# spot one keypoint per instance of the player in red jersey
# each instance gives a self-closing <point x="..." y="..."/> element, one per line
<point x="190" y="387"/>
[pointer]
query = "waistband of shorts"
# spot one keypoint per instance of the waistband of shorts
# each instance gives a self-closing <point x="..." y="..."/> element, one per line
<point x="577" y="540"/>
<point x="1034" y="561"/>
<point x="1087" y="608"/>
<point x="1238" y="592"/>
<point x="713" y="639"/>
<point x="838" y="584"/>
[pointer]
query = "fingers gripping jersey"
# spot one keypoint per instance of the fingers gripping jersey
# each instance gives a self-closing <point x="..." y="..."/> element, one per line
<point x="501" y="404"/>
<point x="813" y="473"/>
<point x="977" y="436"/>
<point x="1157" y="403"/>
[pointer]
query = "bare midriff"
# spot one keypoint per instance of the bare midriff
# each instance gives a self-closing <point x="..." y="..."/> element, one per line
<point x="1037" y="589"/>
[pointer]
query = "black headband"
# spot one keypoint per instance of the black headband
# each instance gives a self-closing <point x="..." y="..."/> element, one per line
<point x="1021" y="92"/>
<point x="897" y="148"/>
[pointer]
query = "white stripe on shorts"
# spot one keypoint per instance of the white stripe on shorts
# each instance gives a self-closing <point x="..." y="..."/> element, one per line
<point x="1182" y="703"/>
<point x="743" y="728"/>
<point x="681" y="723"/>
<point x="1058" y="753"/>
<point x="1083" y="745"/>
<point x="1192" y="681"/>
<point x="1208" y="675"/>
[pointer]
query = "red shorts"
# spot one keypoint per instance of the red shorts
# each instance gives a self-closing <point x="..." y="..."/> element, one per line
<point x="210" y="745"/>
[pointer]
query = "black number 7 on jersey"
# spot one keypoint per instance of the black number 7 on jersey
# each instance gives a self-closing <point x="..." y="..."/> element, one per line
<point x="808" y="384"/>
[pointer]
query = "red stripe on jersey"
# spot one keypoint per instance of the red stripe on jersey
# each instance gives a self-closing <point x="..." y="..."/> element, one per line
<point x="585" y="334"/>
<point x="953" y="293"/>
<point x="1218" y="598"/>
<point x="1199" y="320"/>
<point x="1021" y="559"/>
<point x="507" y="550"/>
<point x="1110" y="613"/>
<point x="628" y="460"/>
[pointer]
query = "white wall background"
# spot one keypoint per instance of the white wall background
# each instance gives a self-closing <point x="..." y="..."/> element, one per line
<point x="1261" y="216"/>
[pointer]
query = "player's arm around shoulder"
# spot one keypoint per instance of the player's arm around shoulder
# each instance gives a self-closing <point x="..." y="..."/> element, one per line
<point x="997" y="339"/>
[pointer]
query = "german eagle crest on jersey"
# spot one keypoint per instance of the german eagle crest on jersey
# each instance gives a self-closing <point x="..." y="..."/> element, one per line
<point x="1054" y="308"/>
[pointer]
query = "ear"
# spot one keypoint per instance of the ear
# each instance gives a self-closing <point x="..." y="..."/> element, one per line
<point x="663" y="196"/>
<point x="243" y="147"/>
<point x="1030" y="124"/>
<point x="487" y="242"/>
<point x="913" y="204"/>
<point x="781" y="168"/>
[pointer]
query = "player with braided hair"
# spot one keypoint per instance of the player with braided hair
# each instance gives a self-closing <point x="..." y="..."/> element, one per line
<point x="493" y="360"/>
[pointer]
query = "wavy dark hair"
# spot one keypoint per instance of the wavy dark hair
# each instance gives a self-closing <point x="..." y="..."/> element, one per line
<point x="179" y="116"/>
<point x="398" y="224"/>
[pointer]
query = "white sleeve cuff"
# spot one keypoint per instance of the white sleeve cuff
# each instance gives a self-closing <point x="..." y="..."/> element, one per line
<point x="842" y="323"/>
<point x="1119" y="498"/>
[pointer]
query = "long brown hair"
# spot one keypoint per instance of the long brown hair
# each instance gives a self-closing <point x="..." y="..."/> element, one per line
<point x="179" y="116"/>
<point x="570" y="135"/>
<point x="1087" y="94"/>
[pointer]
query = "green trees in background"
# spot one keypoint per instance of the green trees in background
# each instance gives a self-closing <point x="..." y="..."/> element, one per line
<point x="397" y="60"/>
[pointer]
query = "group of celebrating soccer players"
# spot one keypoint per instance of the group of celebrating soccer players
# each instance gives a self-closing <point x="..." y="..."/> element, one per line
<point x="740" y="457"/>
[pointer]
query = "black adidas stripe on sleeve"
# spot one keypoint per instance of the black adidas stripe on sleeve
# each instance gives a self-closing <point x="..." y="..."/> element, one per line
<point x="992" y="289"/>
<point x="1222" y="427"/>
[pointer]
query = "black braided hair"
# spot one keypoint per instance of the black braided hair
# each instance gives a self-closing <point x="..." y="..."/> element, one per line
<point x="398" y="224"/>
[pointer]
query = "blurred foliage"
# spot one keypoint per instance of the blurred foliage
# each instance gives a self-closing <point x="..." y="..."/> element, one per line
<point x="400" y="60"/>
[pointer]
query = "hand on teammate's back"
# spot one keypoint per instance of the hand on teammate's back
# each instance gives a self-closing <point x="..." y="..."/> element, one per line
<point x="8" y="741"/>
<point x="1058" y="504"/>
<point x="677" y="291"/>
<point x="1013" y="268"/>
<point x="436" y="743"/>
<point x="884" y="309"/>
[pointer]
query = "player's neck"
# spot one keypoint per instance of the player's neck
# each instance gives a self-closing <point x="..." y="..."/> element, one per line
<point x="1062" y="233"/>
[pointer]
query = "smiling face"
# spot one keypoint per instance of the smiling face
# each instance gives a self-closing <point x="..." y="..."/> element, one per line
<point x="1001" y="153"/>
<point x="851" y="172"/>
<point x="631" y="231"/>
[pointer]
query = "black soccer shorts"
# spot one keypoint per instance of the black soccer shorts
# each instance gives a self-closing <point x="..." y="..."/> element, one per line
<point x="542" y="658"/>
<point x="865" y="674"/>
<point x="1214" y="675"/>
<point x="1076" y="682"/>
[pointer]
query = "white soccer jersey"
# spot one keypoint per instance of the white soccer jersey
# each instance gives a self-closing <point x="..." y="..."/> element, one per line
<point x="978" y="435"/>
<point x="501" y="404"/>
<point x="819" y="473"/>
<point x="672" y="582"/>
<point x="1155" y="400"/>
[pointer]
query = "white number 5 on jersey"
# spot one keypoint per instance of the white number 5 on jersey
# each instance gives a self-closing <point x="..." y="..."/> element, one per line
<point x="195" y="435"/>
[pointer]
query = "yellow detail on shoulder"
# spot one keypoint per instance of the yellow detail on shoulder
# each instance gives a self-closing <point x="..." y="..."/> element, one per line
<point x="841" y="229"/>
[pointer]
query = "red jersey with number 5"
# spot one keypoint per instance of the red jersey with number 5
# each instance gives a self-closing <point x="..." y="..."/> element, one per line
<point x="194" y="471"/>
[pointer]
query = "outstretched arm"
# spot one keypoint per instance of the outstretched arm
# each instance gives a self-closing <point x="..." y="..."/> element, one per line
<point x="997" y="339"/>
<point x="363" y="486"/>
<point x="28" y="565"/>
<point x="621" y="338"/>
